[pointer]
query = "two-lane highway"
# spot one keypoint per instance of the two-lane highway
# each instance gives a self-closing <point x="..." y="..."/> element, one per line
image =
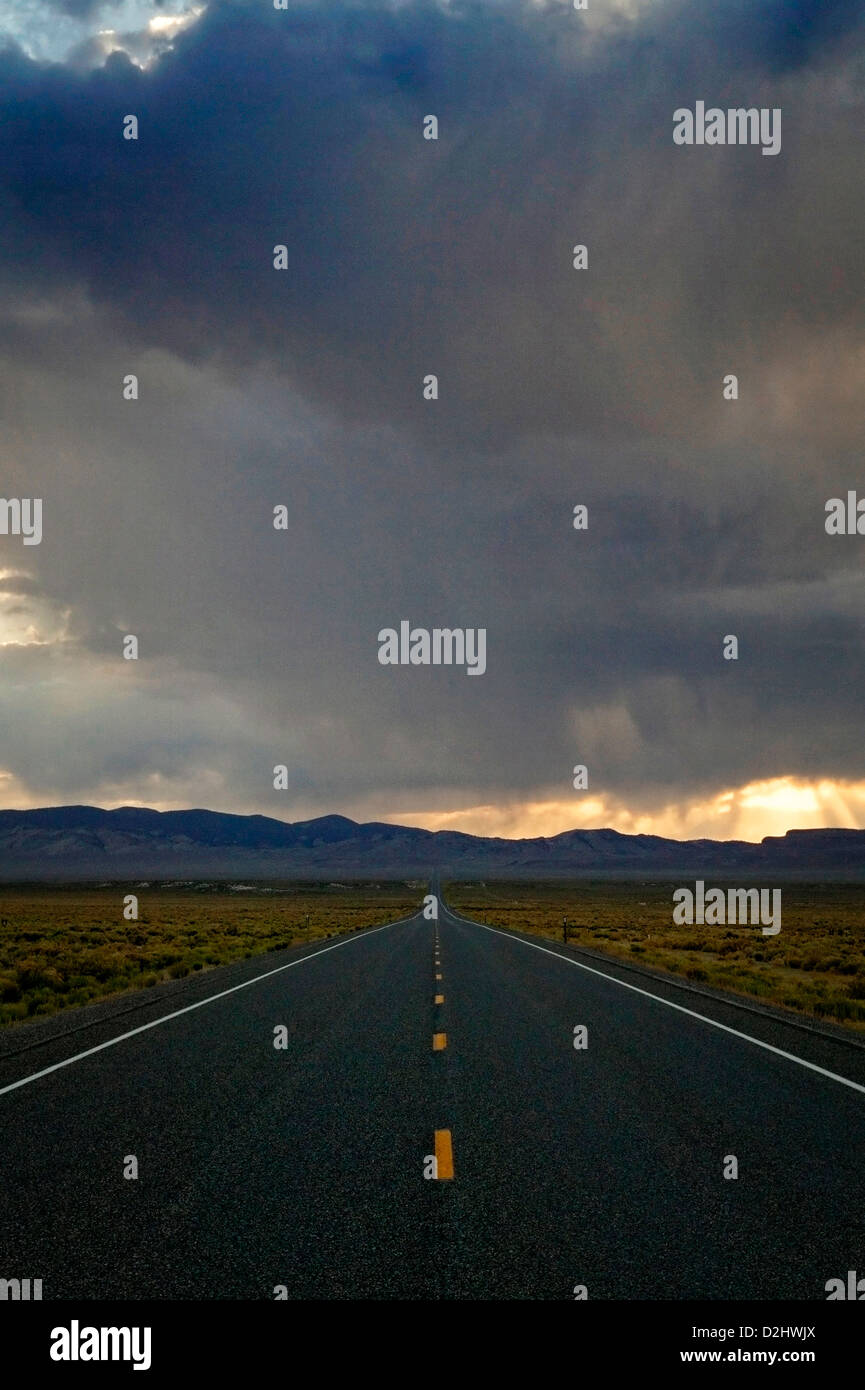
<point x="308" y="1165"/>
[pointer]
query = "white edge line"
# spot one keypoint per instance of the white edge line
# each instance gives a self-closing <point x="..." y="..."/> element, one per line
<point x="758" y="1042"/>
<point x="67" y="1062"/>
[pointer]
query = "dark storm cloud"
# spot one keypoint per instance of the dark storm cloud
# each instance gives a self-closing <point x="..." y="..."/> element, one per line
<point x="406" y="257"/>
<point x="77" y="9"/>
<point x="80" y="9"/>
<point x="788" y="34"/>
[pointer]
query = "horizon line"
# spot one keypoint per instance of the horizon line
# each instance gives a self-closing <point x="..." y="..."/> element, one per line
<point x="400" y="825"/>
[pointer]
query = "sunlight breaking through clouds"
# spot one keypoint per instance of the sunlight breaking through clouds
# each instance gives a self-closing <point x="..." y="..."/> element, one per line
<point x="769" y="807"/>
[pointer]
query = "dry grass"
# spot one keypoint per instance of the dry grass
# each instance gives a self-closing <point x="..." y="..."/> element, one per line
<point x="815" y="965"/>
<point x="62" y="947"/>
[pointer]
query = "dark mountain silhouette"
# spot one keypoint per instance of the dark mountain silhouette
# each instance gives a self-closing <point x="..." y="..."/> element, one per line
<point x="85" y="842"/>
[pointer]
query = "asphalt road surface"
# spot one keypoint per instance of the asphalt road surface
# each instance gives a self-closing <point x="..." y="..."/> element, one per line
<point x="310" y="1167"/>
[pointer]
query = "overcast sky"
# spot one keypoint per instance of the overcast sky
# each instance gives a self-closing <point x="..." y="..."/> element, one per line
<point x="557" y="386"/>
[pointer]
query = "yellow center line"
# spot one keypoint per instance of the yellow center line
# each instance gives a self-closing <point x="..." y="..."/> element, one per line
<point x="440" y="1041"/>
<point x="444" y="1154"/>
<point x="439" y="999"/>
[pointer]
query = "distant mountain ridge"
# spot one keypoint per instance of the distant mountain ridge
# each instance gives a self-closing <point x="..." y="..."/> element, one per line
<point x="86" y="842"/>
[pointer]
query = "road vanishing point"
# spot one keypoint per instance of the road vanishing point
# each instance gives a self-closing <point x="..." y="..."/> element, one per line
<point x="430" y="1131"/>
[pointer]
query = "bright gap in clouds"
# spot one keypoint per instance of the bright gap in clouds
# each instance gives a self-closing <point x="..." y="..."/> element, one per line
<point x="770" y="807"/>
<point x="49" y="34"/>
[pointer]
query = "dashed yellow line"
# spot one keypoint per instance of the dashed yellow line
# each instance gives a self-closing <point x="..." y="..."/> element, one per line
<point x="443" y="1144"/>
<point x="444" y="1154"/>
